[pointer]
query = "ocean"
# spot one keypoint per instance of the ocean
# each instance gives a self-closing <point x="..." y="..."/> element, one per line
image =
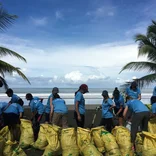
<point x="93" y="97"/>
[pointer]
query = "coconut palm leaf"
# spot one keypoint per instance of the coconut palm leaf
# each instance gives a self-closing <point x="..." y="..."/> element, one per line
<point x="5" y="51"/>
<point x="4" y="82"/>
<point x="149" y="66"/>
<point x="7" y="68"/>
<point x="5" y="19"/>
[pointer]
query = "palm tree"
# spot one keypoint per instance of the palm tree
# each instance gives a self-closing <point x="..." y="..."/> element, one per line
<point x="5" y="21"/>
<point x="147" y="47"/>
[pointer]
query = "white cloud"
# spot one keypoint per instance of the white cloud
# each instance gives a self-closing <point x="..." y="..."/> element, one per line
<point x="59" y="15"/>
<point x="42" y="21"/>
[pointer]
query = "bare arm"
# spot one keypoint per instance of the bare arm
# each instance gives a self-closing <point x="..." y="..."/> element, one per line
<point x="139" y="97"/>
<point x="20" y="116"/>
<point x="77" y="110"/>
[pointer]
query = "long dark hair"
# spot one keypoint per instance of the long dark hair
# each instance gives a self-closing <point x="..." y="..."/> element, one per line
<point x="116" y="93"/>
<point x="55" y="96"/>
<point x="153" y="99"/>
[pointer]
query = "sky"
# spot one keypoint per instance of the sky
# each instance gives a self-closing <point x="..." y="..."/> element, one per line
<point x="70" y="42"/>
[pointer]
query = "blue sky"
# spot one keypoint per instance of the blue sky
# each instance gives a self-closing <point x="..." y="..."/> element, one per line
<point x="69" y="42"/>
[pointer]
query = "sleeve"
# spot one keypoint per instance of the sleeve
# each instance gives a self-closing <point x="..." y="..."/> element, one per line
<point x="154" y="108"/>
<point x="110" y="102"/>
<point x="127" y="104"/>
<point x="127" y="89"/>
<point x="20" y="109"/>
<point x="139" y="91"/>
<point x="78" y="97"/>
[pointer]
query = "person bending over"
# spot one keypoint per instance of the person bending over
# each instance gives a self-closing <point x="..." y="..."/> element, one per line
<point x="49" y="106"/>
<point x="37" y="109"/>
<point x="133" y="91"/>
<point x="153" y="103"/>
<point x="107" y="111"/>
<point x="140" y="117"/>
<point x="79" y="113"/>
<point x="59" y="112"/>
<point x="119" y="105"/>
<point x="12" y="112"/>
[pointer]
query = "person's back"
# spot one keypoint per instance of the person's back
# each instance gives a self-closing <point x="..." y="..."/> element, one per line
<point x="137" y="106"/>
<point x="60" y="106"/>
<point x="14" y="97"/>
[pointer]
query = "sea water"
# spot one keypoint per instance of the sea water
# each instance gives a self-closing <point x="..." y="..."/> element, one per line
<point x="93" y="97"/>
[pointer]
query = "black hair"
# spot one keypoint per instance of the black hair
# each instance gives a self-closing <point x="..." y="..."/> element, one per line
<point x="77" y="91"/>
<point x="55" y="96"/>
<point x="153" y="99"/>
<point x="29" y="96"/>
<point x="116" y="93"/>
<point x="20" y="102"/>
<point x="9" y="91"/>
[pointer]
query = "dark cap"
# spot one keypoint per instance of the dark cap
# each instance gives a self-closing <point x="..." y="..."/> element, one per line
<point x="105" y="93"/>
<point x="55" y="90"/>
<point x="84" y="87"/>
<point x="9" y="91"/>
<point x="134" y="84"/>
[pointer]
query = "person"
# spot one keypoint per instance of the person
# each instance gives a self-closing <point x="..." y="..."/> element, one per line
<point x="49" y="106"/>
<point x="79" y="113"/>
<point x="59" y="111"/>
<point x="133" y="91"/>
<point x="154" y="91"/>
<point x="119" y="105"/>
<point x="37" y="109"/>
<point x="153" y="103"/>
<point x="140" y="117"/>
<point x="107" y="111"/>
<point x="12" y="112"/>
<point x="14" y="97"/>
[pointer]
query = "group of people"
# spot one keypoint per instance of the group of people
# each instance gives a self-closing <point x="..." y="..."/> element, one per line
<point x="124" y="107"/>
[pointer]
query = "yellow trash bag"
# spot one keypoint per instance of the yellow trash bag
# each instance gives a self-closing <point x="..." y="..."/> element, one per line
<point x="90" y="150"/>
<point x="96" y="134"/>
<point x="68" y="142"/>
<point x="41" y="141"/>
<point x="8" y="148"/>
<point x="149" y="144"/>
<point x="27" y="135"/>
<point x="52" y="136"/>
<point x="18" y="152"/>
<point x="2" y="143"/>
<point x="123" y="139"/>
<point x="6" y="134"/>
<point x="111" y="146"/>
<point x="152" y="126"/>
<point x="139" y="144"/>
<point x="83" y="137"/>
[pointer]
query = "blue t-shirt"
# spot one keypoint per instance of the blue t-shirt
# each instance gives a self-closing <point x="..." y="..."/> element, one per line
<point x="119" y="102"/>
<point x="14" y="98"/>
<point x="60" y="106"/>
<point x="12" y="108"/>
<point x="79" y="97"/>
<point x="36" y="105"/>
<point x="154" y="91"/>
<point x="136" y="106"/>
<point x="106" y="104"/>
<point x="154" y="108"/>
<point x="133" y="94"/>
<point x="47" y="109"/>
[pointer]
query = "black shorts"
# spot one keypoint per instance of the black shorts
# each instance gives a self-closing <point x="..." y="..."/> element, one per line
<point x="47" y="117"/>
<point x="10" y="119"/>
<point x="121" y="113"/>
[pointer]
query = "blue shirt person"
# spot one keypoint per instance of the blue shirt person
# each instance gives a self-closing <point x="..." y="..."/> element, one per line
<point x="107" y="111"/>
<point x="140" y="116"/>
<point x="48" y="108"/>
<point x="133" y="91"/>
<point x="79" y="102"/>
<point x="14" y="97"/>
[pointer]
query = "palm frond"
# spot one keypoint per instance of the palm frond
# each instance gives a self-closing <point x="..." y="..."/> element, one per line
<point x="5" y="19"/>
<point x="151" y="67"/>
<point x="7" y="68"/>
<point x="4" y="82"/>
<point x="146" y="80"/>
<point x="5" y="51"/>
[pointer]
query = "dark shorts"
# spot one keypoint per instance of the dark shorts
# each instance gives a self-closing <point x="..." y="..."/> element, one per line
<point x="120" y="114"/>
<point x="79" y="123"/>
<point x="10" y="119"/>
<point x="47" y="117"/>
